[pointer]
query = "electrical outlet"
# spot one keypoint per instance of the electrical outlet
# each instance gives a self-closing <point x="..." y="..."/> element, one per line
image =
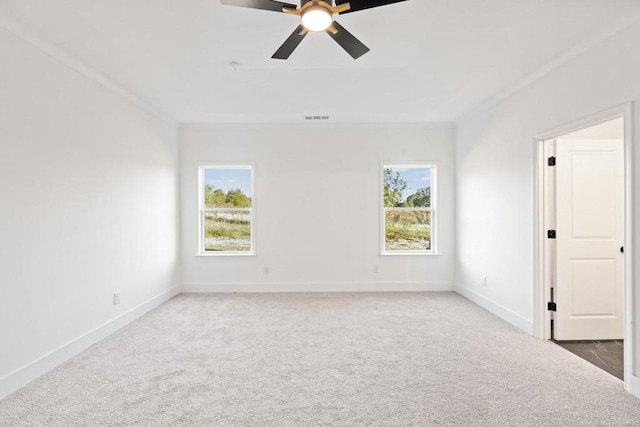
<point x="266" y="270"/>
<point x="375" y="269"/>
<point x="116" y="298"/>
<point x="484" y="281"/>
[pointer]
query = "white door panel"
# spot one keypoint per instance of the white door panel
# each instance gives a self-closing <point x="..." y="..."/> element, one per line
<point x="587" y="276"/>
<point x="590" y="231"/>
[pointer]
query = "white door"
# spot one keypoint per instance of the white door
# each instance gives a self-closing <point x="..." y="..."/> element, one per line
<point x="589" y="284"/>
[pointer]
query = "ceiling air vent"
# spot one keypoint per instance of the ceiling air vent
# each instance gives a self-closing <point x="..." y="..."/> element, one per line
<point x="315" y="118"/>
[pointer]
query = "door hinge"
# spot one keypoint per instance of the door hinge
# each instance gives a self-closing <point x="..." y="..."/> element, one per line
<point x="551" y="161"/>
<point x="551" y="234"/>
<point x="551" y="306"/>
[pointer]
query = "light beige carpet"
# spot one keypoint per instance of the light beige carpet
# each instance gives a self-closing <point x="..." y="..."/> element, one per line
<point x="322" y="360"/>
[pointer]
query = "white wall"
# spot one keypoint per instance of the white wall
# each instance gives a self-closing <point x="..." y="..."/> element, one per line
<point x="495" y="172"/>
<point x="317" y="204"/>
<point x="88" y="195"/>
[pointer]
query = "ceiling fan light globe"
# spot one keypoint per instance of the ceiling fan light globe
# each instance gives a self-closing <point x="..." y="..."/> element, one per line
<point x="317" y="19"/>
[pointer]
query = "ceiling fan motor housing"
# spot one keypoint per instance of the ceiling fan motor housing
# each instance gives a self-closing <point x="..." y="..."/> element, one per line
<point x="329" y="3"/>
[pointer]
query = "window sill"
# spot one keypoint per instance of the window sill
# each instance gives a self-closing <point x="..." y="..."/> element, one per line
<point x="411" y="254"/>
<point x="233" y="254"/>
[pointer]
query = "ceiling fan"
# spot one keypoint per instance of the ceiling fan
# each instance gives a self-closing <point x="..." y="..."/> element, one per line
<point x="316" y="16"/>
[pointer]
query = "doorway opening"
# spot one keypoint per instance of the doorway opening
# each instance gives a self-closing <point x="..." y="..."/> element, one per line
<point x="582" y="230"/>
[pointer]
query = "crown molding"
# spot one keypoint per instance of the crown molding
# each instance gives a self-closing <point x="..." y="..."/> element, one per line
<point x="81" y="68"/>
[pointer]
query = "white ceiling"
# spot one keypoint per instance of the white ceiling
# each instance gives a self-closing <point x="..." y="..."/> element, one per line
<point x="430" y="60"/>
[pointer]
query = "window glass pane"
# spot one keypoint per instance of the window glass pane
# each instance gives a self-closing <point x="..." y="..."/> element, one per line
<point x="227" y="188"/>
<point x="407" y="187"/>
<point x="227" y="231"/>
<point x="407" y="230"/>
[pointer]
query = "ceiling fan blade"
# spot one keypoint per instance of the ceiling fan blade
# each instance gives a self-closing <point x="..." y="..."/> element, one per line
<point x="357" y="5"/>
<point x="274" y="6"/>
<point x="291" y="43"/>
<point x="344" y="38"/>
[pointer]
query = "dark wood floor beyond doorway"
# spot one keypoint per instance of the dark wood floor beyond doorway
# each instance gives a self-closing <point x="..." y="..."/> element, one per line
<point x="607" y="355"/>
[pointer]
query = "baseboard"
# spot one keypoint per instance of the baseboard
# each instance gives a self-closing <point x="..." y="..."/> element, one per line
<point x="23" y="376"/>
<point x="317" y="287"/>
<point x="634" y="386"/>
<point x="502" y="312"/>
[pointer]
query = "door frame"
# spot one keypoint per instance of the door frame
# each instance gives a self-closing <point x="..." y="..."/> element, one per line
<point x="542" y="317"/>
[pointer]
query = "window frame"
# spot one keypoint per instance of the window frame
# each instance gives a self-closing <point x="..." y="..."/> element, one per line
<point x="202" y="210"/>
<point x="433" y="166"/>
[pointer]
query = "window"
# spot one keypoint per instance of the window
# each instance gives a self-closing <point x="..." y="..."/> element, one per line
<point x="226" y="210"/>
<point x="408" y="209"/>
